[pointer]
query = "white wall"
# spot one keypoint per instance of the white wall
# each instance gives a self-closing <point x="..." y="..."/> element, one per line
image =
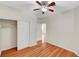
<point x="21" y="16"/>
<point x="40" y="21"/>
<point x="32" y="20"/>
<point x="23" y="34"/>
<point x="8" y="13"/>
<point x="76" y="30"/>
<point x="63" y="29"/>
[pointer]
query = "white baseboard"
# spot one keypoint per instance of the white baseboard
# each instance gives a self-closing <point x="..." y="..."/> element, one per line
<point x="30" y="45"/>
<point x="64" y="48"/>
<point x="10" y="47"/>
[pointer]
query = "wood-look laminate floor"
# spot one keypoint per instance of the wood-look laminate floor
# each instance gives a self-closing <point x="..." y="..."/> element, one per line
<point x="40" y="50"/>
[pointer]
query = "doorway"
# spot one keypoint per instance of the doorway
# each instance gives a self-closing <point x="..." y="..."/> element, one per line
<point x="8" y="34"/>
<point x="43" y="32"/>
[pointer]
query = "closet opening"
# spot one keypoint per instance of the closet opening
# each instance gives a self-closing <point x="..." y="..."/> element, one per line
<point x="8" y="35"/>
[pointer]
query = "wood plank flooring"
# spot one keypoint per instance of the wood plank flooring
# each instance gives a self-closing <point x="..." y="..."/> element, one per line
<point x="40" y="50"/>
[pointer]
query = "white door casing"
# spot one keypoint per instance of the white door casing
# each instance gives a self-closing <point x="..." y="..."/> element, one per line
<point x="43" y="33"/>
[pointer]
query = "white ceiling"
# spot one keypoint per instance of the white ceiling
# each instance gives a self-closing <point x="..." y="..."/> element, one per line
<point x="61" y="6"/>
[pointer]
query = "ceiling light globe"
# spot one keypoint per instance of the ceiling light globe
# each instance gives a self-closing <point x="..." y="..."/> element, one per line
<point x="44" y="9"/>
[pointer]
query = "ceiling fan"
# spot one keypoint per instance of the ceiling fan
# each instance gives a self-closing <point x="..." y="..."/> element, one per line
<point x="45" y="6"/>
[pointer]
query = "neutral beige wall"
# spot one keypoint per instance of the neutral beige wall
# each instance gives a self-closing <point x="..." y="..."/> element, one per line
<point x="63" y="29"/>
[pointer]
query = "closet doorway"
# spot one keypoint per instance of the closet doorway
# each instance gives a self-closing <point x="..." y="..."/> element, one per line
<point x="8" y="34"/>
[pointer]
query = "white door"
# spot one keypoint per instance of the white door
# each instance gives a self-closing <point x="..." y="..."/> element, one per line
<point x="22" y="34"/>
<point x="0" y="39"/>
<point x="5" y="38"/>
<point x="8" y="35"/>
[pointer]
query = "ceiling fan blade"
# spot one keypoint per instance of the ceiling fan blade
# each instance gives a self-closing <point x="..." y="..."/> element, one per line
<point x="38" y="3"/>
<point x="51" y="10"/>
<point x="51" y="4"/>
<point x="36" y="9"/>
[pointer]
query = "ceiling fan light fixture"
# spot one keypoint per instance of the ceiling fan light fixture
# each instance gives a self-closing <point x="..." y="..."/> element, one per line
<point x="44" y="9"/>
<point x="45" y="6"/>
